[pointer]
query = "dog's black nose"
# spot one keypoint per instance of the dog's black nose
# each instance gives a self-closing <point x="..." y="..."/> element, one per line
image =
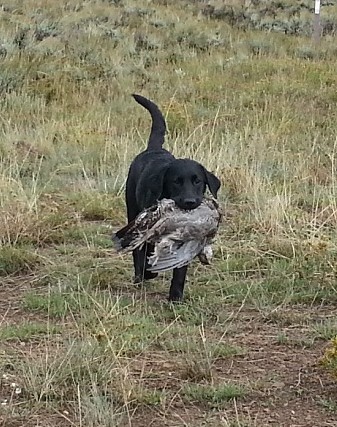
<point x="190" y="204"/>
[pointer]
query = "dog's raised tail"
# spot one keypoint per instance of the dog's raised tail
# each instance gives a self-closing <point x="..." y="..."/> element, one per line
<point x="158" y="128"/>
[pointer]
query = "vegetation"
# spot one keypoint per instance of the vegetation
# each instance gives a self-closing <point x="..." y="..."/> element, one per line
<point x="245" y="92"/>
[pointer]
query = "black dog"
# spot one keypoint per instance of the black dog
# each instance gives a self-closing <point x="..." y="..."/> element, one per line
<point x="156" y="174"/>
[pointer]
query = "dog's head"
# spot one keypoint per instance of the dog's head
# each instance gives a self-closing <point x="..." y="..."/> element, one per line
<point x="185" y="181"/>
<point x="182" y="180"/>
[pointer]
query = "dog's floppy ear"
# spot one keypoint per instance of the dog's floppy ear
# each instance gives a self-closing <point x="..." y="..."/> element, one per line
<point x="150" y="187"/>
<point x="212" y="182"/>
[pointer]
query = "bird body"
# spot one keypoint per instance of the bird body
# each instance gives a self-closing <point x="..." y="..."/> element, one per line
<point x="178" y="235"/>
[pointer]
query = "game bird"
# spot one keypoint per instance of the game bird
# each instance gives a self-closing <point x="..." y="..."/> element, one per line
<point x="178" y="235"/>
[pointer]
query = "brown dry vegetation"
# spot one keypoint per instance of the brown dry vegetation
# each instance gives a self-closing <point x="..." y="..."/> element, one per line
<point x="252" y="100"/>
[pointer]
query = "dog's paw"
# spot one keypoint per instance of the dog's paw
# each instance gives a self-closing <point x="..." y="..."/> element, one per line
<point x="139" y="279"/>
<point x="148" y="275"/>
<point x="176" y="298"/>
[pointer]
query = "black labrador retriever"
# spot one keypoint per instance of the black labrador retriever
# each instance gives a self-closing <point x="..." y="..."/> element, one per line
<point x="156" y="174"/>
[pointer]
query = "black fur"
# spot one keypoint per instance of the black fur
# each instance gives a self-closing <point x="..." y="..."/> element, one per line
<point x="155" y="174"/>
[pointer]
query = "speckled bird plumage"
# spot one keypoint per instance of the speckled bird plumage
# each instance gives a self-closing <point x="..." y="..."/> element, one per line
<point x="178" y="235"/>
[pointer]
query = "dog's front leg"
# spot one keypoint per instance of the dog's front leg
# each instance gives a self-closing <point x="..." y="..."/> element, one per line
<point x="177" y="284"/>
<point x="140" y="264"/>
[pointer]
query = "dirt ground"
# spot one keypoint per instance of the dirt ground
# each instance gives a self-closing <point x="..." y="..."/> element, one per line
<point x="287" y="386"/>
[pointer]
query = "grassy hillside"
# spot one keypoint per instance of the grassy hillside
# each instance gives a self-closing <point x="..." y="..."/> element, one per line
<point x="246" y="93"/>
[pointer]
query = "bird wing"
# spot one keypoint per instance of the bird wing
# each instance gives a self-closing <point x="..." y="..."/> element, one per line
<point x="180" y="255"/>
<point x="143" y="227"/>
<point x="139" y="237"/>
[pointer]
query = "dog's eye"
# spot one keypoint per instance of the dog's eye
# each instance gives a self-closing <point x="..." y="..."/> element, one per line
<point x="196" y="180"/>
<point x="177" y="181"/>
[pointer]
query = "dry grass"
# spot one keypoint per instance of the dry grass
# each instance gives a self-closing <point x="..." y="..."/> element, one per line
<point x="81" y="345"/>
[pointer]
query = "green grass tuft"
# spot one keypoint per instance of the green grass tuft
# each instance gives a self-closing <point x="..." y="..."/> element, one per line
<point x="214" y="396"/>
<point x="27" y="331"/>
<point x="17" y="261"/>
